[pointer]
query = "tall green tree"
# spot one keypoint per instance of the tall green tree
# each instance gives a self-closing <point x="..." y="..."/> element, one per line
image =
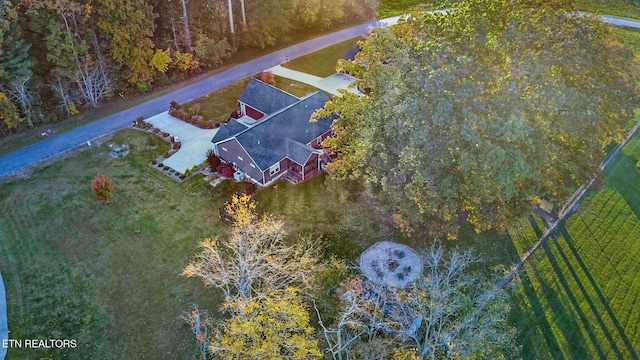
<point x="15" y="65"/>
<point x="129" y="26"/>
<point x="9" y="114"/>
<point x="479" y="112"/>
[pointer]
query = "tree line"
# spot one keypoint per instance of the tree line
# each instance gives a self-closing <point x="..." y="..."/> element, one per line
<point x="58" y="57"/>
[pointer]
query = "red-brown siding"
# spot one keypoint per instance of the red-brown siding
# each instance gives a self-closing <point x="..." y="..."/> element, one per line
<point x="318" y="144"/>
<point x="283" y="167"/>
<point x="234" y="149"/>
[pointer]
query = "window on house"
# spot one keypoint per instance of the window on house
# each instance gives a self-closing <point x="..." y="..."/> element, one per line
<point x="274" y="169"/>
<point x="240" y="158"/>
<point x="224" y="148"/>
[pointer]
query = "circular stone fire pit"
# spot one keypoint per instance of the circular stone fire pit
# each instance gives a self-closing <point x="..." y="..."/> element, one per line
<point x="391" y="264"/>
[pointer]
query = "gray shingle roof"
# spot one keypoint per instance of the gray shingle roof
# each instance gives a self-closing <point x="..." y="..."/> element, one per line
<point x="266" y="142"/>
<point x="265" y="97"/>
<point x="297" y="152"/>
<point x="228" y="130"/>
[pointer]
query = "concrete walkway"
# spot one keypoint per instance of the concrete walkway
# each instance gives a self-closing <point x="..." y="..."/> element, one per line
<point x="4" y="326"/>
<point x="195" y="141"/>
<point x="330" y="84"/>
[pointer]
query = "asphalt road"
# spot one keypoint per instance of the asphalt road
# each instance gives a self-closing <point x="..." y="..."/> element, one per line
<point x="54" y="145"/>
<point x="51" y="146"/>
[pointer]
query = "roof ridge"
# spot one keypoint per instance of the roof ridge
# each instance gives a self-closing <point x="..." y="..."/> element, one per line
<point x="271" y="116"/>
<point x="277" y="88"/>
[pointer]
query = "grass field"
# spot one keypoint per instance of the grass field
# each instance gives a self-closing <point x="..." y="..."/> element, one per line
<point x="219" y="104"/>
<point x="389" y="8"/>
<point x="622" y="8"/>
<point x="580" y="294"/>
<point x="76" y="269"/>
<point x="323" y="62"/>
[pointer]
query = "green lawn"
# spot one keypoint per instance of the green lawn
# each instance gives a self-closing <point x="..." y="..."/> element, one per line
<point x="346" y="226"/>
<point x="622" y="8"/>
<point x="323" y="62"/>
<point x="293" y="87"/>
<point x="580" y="294"/>
<point x="630" y="37"/>
<point x="76" y="269"/>
<point x="389" y="8"/>
<point x="219" y="104"/>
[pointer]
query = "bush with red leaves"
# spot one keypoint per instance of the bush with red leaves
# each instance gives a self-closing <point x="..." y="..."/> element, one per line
<point x="213" y="160"/>
<point x="102" y="188"/>
<point x="225" y="170"/>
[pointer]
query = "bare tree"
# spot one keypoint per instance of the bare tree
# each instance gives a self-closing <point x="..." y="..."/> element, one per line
<point x="462" y="313"/>
<point x="201" y="326"/>
<point x="19" y="92"/>
<point x="185" y="21"/>
<point x="449" y="313"/>
<point x="92" y="82"/>
<point x="61" y="88"/>
<point x="348" y="329"/>
<point x="244" y="16"/>
<point x="255" y="259"/>
<point x="233" y="35"/>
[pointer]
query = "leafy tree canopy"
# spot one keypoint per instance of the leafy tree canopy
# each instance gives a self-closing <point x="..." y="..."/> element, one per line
<point x="276" y="327"/>
<point x="481" y="111"/>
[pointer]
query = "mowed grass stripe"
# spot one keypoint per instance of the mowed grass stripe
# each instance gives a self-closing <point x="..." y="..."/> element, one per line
<point x="585" y="280"/>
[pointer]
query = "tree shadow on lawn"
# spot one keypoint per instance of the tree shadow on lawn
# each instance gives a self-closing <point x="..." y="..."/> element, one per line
<point x="624" y="176"/>
<point x="562" y="231"/>
<point x="532" y="321"/>
<point x="575" y="340"/>
<point x="587" y="323"/>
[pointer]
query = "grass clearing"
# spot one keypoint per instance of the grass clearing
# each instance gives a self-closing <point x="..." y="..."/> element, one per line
<point x="346" y="226"/>
<point x="390" y="8"/>
<point x="323" y="62"/>
<point x="580" y="293"/>
<point x="622" y="8"/>
<point x="630" y="37"/>
<point x="76" y="269"/>
<point x="218" y="105"/>
<point x="293" y="87"/>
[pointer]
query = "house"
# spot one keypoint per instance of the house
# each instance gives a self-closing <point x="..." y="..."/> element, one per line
<point x="274" y="137"/>
<point x="259" y="99"/>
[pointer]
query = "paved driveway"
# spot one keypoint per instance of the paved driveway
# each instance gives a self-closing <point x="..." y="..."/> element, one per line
<point x="195" y="141"/>
<point x="330" y="84"/>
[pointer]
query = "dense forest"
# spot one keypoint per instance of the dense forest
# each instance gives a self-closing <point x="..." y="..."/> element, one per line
<point x="59" y="57"/>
